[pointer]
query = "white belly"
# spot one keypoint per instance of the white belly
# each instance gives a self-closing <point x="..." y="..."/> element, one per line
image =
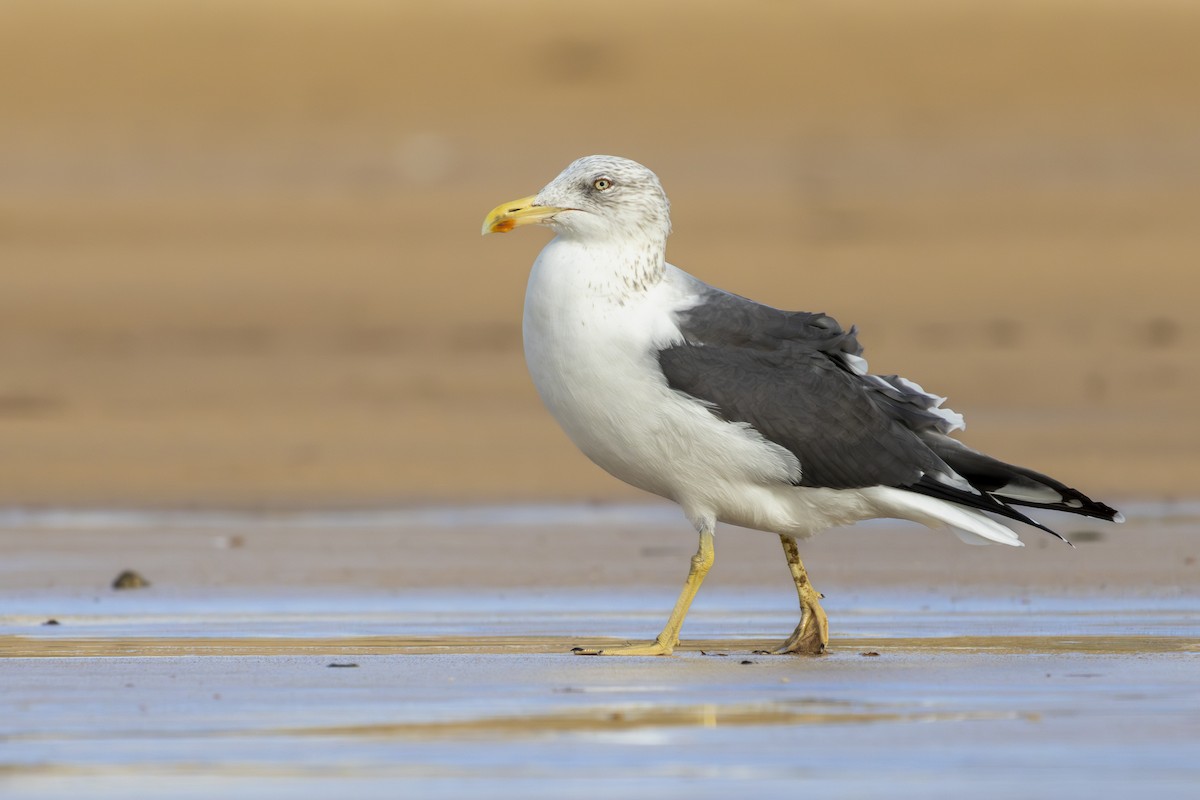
<point x="593" y="358"/>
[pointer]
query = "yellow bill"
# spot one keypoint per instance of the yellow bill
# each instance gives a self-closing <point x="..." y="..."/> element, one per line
<point x="506" y="216"/>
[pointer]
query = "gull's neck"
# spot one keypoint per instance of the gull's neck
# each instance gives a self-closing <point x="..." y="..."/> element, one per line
<point x="613" y="266"/>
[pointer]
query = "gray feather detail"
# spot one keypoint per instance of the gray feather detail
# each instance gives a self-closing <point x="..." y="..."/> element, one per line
<point x="725" y="319"/>
<point x="1013" y="484"/>
<point x="722" y="318"/>
<point x="795" y="377"/>
<point x="800" y="380"/>
<point x="921" y="410"/>
<point x="800" y="399"/>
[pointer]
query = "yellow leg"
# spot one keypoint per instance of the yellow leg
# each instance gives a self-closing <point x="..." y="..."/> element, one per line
<point x="811" y="636"/>
<point x="666" y="641"/>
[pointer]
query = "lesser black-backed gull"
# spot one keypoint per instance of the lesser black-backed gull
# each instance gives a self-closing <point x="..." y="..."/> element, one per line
<point x="739" y="412"/>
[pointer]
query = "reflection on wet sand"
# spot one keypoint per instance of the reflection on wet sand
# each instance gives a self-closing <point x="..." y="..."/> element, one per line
<point x="610" y="719"/>
<point x="174" y="647"/>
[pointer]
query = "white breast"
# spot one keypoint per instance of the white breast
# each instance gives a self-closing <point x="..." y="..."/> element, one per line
<point x="591" y="344"/>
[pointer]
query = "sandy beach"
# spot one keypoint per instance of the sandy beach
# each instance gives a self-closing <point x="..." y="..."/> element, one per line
<point x="242" y="264"/>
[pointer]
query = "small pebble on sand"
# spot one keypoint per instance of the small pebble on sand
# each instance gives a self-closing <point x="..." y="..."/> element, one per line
<point x="129" y="579"/>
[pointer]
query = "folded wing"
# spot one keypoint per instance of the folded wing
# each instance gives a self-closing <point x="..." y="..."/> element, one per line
<point x="799" y="379"/>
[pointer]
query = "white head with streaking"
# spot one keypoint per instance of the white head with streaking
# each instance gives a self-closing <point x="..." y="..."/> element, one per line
<point x="595" y="197"/>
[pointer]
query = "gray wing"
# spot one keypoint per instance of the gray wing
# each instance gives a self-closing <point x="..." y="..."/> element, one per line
<point x="799" y="379"/>
<point x="722" y="318"/>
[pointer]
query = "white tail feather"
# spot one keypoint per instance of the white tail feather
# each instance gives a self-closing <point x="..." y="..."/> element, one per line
<point x="972" y="527"/>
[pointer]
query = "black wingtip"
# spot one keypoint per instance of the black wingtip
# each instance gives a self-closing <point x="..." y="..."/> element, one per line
<point x="1076" y="503"/>
<point x="1015" y="486"/>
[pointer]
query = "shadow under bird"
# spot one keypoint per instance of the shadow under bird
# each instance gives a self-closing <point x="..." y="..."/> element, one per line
<point x="739" y="412"/>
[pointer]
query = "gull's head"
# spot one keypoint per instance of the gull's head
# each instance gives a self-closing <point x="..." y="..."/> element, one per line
<point x="595" y="197"/>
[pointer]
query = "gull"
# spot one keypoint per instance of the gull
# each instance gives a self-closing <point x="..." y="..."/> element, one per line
<point x="741" y="413"/>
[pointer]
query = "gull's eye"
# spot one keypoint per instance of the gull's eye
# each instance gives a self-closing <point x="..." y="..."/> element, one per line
<point x="602" y="184"/>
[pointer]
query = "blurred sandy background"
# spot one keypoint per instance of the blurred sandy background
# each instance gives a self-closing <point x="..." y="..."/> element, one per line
<point x="240" y="260"/>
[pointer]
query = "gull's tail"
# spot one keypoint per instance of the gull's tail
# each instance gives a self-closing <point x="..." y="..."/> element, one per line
<point x="972" y="526"/>
<point x="1017" y="486"/>
<point x="994" y="487"/>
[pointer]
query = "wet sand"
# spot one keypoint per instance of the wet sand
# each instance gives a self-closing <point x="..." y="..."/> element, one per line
<point x="427" y="652"/>
<point x="912" y="722"/>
